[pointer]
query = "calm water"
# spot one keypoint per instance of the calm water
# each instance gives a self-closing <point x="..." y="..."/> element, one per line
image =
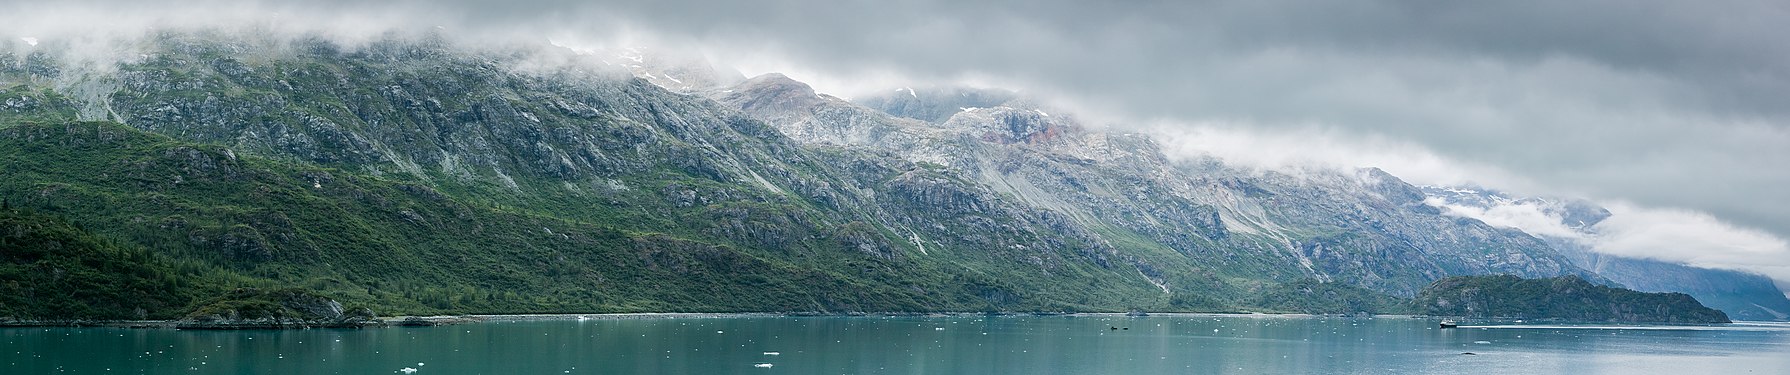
<point x="908" y="345"/>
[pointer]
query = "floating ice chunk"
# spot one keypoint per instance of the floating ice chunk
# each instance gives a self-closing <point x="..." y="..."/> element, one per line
<point x="29" y="40"/>
<point x="762" y="365"/>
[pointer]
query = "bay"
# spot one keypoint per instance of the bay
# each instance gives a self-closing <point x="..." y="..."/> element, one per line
<point x="1097" y="344"/>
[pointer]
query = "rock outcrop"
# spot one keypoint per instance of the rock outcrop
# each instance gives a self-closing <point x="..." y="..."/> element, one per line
<point x="250" y="308"/>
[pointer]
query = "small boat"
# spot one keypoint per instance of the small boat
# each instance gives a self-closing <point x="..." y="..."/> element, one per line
<point x="1449" y="324"/>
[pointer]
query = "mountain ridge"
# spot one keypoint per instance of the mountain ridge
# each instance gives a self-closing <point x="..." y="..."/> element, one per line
<point x="991" y="145"/>
<point x="999" y="208"/>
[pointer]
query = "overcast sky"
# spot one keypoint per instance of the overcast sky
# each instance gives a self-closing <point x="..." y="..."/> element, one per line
<point x="1676" y="111"/>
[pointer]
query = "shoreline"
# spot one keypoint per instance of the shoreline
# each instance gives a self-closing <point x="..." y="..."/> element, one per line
<point x="444" y="320"/>
<point x="440" y="320"/>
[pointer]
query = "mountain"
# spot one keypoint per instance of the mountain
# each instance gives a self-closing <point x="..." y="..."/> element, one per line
<point x="1174" y="220"/>
<point x="670" y="69"/>
<point x="1741" y="295"/>
<point x="418" y="175"/>
<point x="1564" y="298"/>
<point x="939" y="102"/>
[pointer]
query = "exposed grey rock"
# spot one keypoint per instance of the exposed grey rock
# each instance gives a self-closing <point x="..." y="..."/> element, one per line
<point x="1368" y="228"/>
<point x="276" y="309"/>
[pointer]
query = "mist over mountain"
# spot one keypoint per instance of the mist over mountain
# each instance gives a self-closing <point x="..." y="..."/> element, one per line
<point x="1573" y="228"/>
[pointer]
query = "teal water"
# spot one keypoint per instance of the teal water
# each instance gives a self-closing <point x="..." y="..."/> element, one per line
<point x="1183" y="344"/>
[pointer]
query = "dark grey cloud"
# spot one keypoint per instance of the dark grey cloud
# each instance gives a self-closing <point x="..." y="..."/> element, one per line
<point x="1662" y="103"/>
<point x="1682" y="104"/>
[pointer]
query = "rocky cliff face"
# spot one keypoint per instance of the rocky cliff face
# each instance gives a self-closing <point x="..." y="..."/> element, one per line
<point x="249" y="308"/>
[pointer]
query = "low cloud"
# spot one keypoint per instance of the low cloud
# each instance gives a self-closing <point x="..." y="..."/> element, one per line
<point x="1692" y="238"/>
<point x="1336" y="148"/>
<point x="1533" y="217"/>
<point x="1670" y="235"/>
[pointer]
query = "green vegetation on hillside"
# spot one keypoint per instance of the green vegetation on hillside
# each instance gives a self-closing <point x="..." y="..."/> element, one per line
<point x="1564" y="298"/>
<point x="218" y="221"/>
<point x="1310" y="296"/>
<point x="404" y="248"/>
<point x="51" y="269"/>
<point x="427" y="182"/>
<point x="401" y="248"/>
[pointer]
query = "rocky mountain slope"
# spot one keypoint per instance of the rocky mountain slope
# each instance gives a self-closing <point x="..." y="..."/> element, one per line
<point x="1172" y="219"/>
<point x="421" y="175"/>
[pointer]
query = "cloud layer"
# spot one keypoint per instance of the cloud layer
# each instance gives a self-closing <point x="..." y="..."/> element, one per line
<point x="1687" y="237"/>
<point x="1656" y="102"/>
<point x="1671" y="235"/>
<point x="1662" y="103"/>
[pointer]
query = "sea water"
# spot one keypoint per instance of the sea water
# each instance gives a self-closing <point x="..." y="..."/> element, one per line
<point x="1158" y="344"/>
